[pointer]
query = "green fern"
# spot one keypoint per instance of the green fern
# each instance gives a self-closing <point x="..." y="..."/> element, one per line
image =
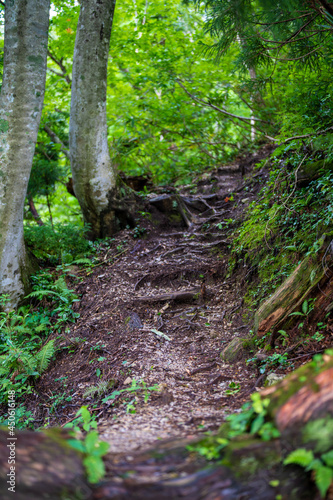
<point x="82" y="261"/>
<point x="39" y="294"/>
<point x="43" y="357"/>
<point x="61" y="285"/>
<point x="328" y="458"/>
<point x="301" y="457"/>
<point x="28" y="364"/>
<point x="323" y="479"/>
<point x="99" y="389"/>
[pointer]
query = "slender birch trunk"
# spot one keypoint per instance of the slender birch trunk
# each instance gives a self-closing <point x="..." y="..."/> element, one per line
<point x="94" y="176"/>
<point x="21" y="101"/>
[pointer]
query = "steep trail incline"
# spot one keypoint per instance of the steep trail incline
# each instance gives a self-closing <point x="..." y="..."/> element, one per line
<point x="154" y="317"/>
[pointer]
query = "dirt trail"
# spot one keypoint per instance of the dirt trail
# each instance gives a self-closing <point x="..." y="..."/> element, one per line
<point x="136" y="326"/>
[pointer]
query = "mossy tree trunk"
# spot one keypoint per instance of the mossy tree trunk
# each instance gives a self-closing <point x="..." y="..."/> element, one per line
<point x="21" y="100"/>
<point x="94" y="175"/>
<point x="308" y="280"/>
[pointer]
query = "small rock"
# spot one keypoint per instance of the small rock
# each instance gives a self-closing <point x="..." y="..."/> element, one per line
<point x="127" y="381"/>
<point x="236" y="350"/>
<point x="273" y="378"/>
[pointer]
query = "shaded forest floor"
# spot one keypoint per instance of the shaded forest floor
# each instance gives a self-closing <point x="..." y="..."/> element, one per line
<point x="155" y="315"/>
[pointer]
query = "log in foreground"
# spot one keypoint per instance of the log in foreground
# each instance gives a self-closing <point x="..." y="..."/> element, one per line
<point x="301" y="407"/>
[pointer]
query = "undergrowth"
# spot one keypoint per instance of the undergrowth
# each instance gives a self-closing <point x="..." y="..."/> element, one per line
<point x="287" y="220"/>
<point x="25" y="352"/>
<point x="58" y="243"/>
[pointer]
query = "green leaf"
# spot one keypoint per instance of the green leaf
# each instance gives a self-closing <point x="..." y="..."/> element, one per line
<point x="323" y="479"/>
<point x="77" y="445"/>
<point x="257" y="424"/>
<point x="44" y="356"/>
<point x="305" y="307"/>
<point x="301" y="457"/>
<point x="95" y="468"/>
<point x="328" y="458"/>
<point x="91" y="441"/>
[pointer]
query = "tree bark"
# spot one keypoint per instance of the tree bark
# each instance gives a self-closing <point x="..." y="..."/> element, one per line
<point x="21" y="100"/>
<point x="94" y="176"/>
<point x="34" y="212"/>
<point x="306" y="281"/>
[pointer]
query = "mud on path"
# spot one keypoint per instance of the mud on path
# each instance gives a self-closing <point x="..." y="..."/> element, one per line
<point x="155" y="315"/>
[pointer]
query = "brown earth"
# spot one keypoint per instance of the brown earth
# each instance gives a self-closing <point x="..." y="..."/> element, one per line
<point x="155" y="315"/>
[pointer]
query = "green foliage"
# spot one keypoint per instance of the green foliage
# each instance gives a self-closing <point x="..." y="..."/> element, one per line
<point x="250" y="420"/>
<point x="322" y="467"/>
<point x="22" y="353"/>
<point x="98" y="390"/>
<point x="275" y="360"/>
<point x="284" y="225"/>
<point x="46" y="171"/>
<point x="135" y="388"/>
<point x="57" y="244"/>
<point x="55" y="291"/>
<point x="91" y="446"/>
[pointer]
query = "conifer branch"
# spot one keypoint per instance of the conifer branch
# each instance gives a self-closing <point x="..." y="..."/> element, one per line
<point x="210" y="105"/>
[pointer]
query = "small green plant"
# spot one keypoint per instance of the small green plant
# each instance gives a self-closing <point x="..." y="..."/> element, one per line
<point x="138" y="231"/>
<point x="91" y="446"/>
<point x="284" y="336"/>
<point x="98" y="390"/>
<point x="273" y="361"/>
<point x="23" y="418"/>
<point x="322" y="467"/>
<point x="234" y="388"/>
<point x="307" y="308"/>
<point x="46" y="289"/>
<point x="251" y="419"/>
<point x="135" y="388"/>
<point x="318" y="337"/>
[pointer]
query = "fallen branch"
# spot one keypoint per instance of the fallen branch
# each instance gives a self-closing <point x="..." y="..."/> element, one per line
<point x="203" y="368"/>
<point x="181" y="295"/>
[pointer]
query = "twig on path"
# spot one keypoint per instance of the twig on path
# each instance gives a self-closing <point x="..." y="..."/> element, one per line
<point x="109" y="260"/>
<point x="203" y="368"/>
<point x="181" y="295"/>
<point x="140" y="281"/>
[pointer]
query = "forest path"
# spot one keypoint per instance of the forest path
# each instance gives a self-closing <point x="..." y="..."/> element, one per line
<point x="156" y="314"/>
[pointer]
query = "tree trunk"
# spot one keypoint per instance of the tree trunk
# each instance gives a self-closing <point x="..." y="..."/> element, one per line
<point x="94" y="176"/>
<point x="21" y="100"/>
<point x="307" y="281"/>
<point x="34" y="212"/>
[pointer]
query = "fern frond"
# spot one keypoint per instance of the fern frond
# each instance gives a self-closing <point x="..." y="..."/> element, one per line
<point x="39" y="294"/>
<point x="81" y="261"/>
<point x="323" y="479"/>
<point x="43" y="357"/>
<point x="91" y="391"/>
<point x="301" y="457"/>
<point x="61" y="284"/>
<point x="101" y="388"/>
<point x="28" y="363"/>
